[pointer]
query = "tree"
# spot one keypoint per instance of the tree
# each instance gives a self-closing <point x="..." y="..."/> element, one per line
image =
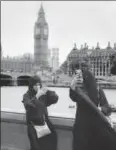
<point x="64" y="66"/>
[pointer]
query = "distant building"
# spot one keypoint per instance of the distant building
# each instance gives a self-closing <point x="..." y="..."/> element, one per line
<point x="55" y="58"/>
<point x="27" y="62"/>
<point x="44" y="58"/>
<point x="41" y="52"/>
<point x="113" y="66"/>
<point x="74" y="55"/>
<point x="99" y="59"/>
<point x="49" y="57"/>
<point x="17" y="64"/>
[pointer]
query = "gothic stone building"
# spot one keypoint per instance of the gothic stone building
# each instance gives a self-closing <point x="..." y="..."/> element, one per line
<point x="41" y="52"/>
<point x="17" y="64"/>
<point x="99" y="59"/>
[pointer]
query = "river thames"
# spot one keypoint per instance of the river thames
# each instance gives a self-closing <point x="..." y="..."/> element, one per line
<point x="11" y="98"/>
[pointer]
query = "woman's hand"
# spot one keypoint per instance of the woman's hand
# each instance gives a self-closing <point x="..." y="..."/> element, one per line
<point x="74" y="83"/>
<point x="106" y="110"/>
<point x="42" y="91"/>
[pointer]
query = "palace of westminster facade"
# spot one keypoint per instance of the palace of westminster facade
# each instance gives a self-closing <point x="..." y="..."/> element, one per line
<point x="98" y="58"/>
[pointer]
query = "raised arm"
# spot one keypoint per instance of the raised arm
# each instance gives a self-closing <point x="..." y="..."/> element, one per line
<point x="72" y="91"/>
<point x="103" y="100"/>
<point x="52" y="97"/>
<point x="73" y="95"/>
<point x="91" y="105"/>
<point x="27" y="101"/>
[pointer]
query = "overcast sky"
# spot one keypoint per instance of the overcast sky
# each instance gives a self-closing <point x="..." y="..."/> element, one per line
<point x="69" y="22"/>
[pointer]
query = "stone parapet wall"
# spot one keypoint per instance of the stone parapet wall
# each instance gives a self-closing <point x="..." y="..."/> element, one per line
<point x="14" y="132"/>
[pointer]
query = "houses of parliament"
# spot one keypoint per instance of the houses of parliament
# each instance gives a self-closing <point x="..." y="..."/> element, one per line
<point x="99" y="59"/>
<point x="44" y="58"/>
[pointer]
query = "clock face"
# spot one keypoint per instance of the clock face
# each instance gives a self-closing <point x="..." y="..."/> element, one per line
<point x="45" y="31"/>
<point x="37" y="31"/>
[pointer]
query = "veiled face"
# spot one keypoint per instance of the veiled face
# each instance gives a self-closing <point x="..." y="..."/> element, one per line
<point x="36" y="87"/>
<point x="79" y="76"/>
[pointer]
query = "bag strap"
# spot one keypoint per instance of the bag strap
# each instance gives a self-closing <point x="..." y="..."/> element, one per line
<point x="43" y="119"/>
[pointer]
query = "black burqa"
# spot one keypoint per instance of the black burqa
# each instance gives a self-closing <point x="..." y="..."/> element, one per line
<point x="35" y="109"/>
<point x="113" y="66"/>
<point x="91" y="130"/>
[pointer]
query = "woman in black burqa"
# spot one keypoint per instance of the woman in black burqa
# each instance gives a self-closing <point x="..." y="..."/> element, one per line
<point x="90" y="132"/>
<point x="113" y="64"/>
<point x="36" y="104"/>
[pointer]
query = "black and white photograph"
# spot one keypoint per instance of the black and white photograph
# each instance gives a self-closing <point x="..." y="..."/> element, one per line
<point x="58" y="75"/>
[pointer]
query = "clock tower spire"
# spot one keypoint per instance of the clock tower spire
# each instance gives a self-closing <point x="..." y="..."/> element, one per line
<point x="41" y="40"/>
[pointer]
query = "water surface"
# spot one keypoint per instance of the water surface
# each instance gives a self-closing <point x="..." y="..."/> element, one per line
<point x="11" y="98"/>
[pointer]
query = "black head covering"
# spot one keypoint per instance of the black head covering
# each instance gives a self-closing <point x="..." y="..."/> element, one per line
<point x="90" y="85"/>
<point x="32" y="81"/>
<point x="80" y="64"/>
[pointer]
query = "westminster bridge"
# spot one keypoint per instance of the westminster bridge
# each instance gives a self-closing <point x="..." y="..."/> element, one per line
<point x="14" y="78"/>
<point x="20" y="78"/>
<point x="9" y="78"/>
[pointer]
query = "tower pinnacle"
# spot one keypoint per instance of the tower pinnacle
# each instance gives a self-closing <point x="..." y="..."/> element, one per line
<point x="41" y="9"/>
<point x="75" y="46"/>
<point x="41" y="3"/>
<point x="41" y="13"/>
<point x="97" y="47"/>
<point x="109" y="46"/>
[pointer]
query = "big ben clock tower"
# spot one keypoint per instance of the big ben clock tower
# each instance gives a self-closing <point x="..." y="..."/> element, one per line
<point x="41" y="41"/>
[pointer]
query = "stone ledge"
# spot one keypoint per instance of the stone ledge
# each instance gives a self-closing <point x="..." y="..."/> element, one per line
<point x="10" y="148"/>
<point x="20" y="118"/>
